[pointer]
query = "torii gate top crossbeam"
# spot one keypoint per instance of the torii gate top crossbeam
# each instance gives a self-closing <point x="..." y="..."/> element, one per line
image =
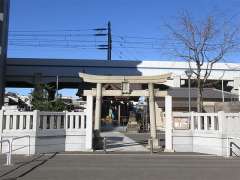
<point x="120" y="79"/>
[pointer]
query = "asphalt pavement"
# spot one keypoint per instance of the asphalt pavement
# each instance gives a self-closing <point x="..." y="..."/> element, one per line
<point x="164" y="166"/>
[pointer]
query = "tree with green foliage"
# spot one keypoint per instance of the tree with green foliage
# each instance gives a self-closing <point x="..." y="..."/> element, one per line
<point x="41" y="101"/>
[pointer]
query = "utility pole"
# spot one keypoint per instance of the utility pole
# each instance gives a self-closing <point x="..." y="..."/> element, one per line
<point x="109" y="57"/>
<point x="108" y="46"/>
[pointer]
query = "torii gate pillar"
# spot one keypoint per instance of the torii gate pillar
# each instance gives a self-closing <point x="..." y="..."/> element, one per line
<point x="152" y="114"/>
<point x="98" y="107"/>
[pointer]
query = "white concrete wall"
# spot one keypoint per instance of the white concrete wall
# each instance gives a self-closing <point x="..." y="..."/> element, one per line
<point x="209" y="143"/>
<point x="48" y="131"/>
<point x="201" y="143"/>
<point x="182" y="141"/>
<point x="207" y="133"/>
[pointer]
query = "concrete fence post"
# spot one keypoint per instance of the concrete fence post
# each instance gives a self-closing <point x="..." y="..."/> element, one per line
<point x="32" y="139"/>
<point x="36" y="120"/>
<point x="169" y="124"/>
<point x="222" y="130"/>
<point x="89" y="128"/>
<point x="191" y="121"/>
<point x="221" y="121"/>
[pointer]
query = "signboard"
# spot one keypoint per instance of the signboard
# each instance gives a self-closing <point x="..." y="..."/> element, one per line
<point x="125" y="88"/>
<point x="181" y="123"/>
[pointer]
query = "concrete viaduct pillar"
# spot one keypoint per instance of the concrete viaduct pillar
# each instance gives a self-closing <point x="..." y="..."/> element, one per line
<point x="4" y="14"/>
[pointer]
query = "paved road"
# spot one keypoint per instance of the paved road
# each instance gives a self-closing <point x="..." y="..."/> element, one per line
<point x="21" y="165"/>
<point x="136" y="167"/>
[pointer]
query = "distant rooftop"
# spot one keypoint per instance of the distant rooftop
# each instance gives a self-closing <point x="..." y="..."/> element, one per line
<point x="208" y="93"/>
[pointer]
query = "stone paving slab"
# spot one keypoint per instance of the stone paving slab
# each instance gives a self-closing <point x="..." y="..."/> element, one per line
<point x="142" y="138"/>
<point x="117" y="141"/>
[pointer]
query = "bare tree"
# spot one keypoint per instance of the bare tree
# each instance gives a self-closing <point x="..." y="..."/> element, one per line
<point x="202" y="44"/>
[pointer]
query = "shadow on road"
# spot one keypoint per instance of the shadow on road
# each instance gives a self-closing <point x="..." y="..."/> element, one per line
<point x="122" y="145"/>
<point x="23" y="168"/>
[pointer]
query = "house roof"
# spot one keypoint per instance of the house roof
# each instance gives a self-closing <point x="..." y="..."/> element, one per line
<point x="208" y="93"/>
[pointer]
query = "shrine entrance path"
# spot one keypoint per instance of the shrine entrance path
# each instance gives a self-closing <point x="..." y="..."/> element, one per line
<point x="117" y="141"/>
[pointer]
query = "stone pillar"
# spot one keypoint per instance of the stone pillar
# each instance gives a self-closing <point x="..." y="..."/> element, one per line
<point x="98" y="107"/>
<point x="152" y="115"/>
<point x="89" y="128"/>
<point x="4" y="14"/>
<point x="169" y="124"/>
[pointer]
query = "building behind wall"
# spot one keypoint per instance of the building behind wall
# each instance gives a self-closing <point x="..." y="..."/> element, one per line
<point x="4" y="9"/>
<point x="211" y="96"/>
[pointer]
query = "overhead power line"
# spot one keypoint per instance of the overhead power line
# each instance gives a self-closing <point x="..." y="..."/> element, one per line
<point x="89" y="39"/>
<point x="140" y="37"/>
<point x="53" y="30"/>
<point x="47" y="35"/>
<point x="54" y="46"/>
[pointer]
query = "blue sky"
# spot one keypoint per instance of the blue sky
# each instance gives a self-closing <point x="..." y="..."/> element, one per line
<point x="143" y="18"/>
<point x="129" y="18"/>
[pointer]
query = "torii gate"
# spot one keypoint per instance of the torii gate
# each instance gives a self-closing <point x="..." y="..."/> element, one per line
<point x="99" y="92"/>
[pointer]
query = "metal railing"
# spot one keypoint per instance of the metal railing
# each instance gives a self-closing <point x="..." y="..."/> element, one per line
<point x="9" y="153"/>
<point x="10" y="147"/>
<point x="20" y="137"/>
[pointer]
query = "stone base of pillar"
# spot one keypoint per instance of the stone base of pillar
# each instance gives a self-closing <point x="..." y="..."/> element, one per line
<point x="97" y="140"/>
<point x="169" y="150"/>
<point x="89" y="150"/>
<point x="155" y="144"/>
